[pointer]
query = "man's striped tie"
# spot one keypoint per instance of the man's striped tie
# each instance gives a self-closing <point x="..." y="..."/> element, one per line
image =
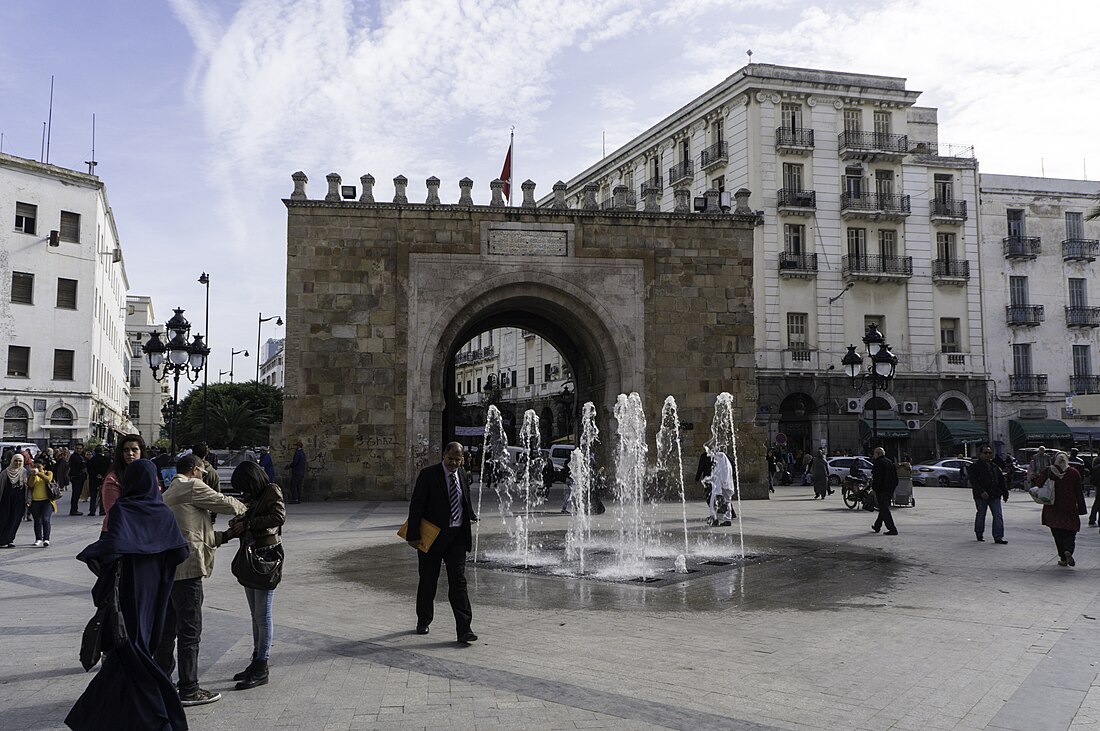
<point x="456" y="501"/>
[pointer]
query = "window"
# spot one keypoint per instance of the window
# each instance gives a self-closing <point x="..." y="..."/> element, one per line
<point x="490" y="338"/>
<point x="719" y="184"/>
<point x="19" y="361"/>
<point x="1017" y="291"/>
<point x="949" y="335"/>
<point x="530" y="376"/>
<point x="135" y="378"/>
<point x="479" y="385"/>
<point x="945" y="246"/>
<point x="1078" y="295"/>
<point x="469" y="386"/>
<point x="857" y="242"/>
<point x="1075" y="226"/>
<point x="853" y="120"/>
<point x="479" y="346"/>
<point x="685" y="150"/>
<point x="15" y="423"/>
<point x="61" y="417"/>
<point x="791" y="116"/>
<point x="547" y="373"/>
<point x="1081" y="361"/>
<point x="884" y="182"/>
<point x="1015" y="217"/>
<point x="63" y="365"/>
<point x="943" y="185"/>
<point x="1021" y="359"/>
<point x="25" y="217"/>
<point x="853" y="181"/>
<point x="135" y="410"/>
<point x="70" y="227"/>
<point x="513" y="380"/>
<point x="882" y="122"/>
<point x="22" y="288"/>
<point x="66" y="293"/>
<point x="792" y="176"/>
<point x="719" y="128"/>
<point x="794" y="238"/>
<point x="796" y="330"/>
<point x="887" y="243"/>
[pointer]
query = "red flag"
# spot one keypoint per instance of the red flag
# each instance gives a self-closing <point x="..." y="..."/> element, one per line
<point x="506" y="174"/>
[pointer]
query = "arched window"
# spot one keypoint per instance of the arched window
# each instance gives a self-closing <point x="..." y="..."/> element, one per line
<point x="61" y="417"/>
<point x="16" y="421"/>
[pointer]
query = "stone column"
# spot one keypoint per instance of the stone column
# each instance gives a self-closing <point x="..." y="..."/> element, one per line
<point x="497" y="186"/>
<point x="368" y="188"/>
<point x="618" y="198"/>
<point x="650" y="193"/>
<point x="712" y="201"/>
<point x="300" y="181"/>
<point x="399" y="184"/>
<point x="333" y="187"/>
<point x="741" y="206"/>
<point x="465" y="187"/>
<point x="528" y="188"/>
<point x="590" y="203"/>
<point x="683" y="200"/>
<point x="433" y="191"/>
<point x="559" y="203"/>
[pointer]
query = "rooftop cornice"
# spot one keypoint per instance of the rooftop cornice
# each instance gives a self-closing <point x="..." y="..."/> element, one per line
<point x="52" y="171"/>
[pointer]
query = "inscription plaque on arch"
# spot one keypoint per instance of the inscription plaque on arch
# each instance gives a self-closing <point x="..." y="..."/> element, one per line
<point x="528" y="242"/>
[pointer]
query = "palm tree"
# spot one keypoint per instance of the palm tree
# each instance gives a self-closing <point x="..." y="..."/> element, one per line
<point x="236" y="425"/>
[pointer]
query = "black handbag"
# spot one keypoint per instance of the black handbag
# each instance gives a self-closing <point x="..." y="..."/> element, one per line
<point x="258" y="567"/>
<point x="107" y="629"/>
<point x="53" y="490"/>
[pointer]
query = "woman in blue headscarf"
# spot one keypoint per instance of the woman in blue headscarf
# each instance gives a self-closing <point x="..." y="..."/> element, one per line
<point x="140" y="549"/>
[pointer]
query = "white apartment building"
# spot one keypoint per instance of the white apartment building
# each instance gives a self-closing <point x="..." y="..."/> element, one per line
<point x="147" y="396"/>
<point x="524" y="371"/>
<point x="1042" y="315"/>
<point x="271" y="362"/>
<point x="867" y="217"/>
<point x="62" y="307"/>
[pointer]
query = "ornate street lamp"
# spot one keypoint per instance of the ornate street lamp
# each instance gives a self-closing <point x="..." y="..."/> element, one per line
<point x="176" y="357"/>
<point x="233" y="354"/>
<point x="278" y="323"/>
<point x="880" y="369"/>
<point x="204" y="279"/>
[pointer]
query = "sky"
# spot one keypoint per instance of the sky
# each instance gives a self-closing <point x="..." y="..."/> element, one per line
<point x="204" y="108"/>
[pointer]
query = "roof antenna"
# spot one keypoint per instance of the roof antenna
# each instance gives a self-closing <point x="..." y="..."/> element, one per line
<point x="49" y="126"/>
<point x="749" y="54"/>
<point x="92" y="163"/>
<point x="42" y="148"/>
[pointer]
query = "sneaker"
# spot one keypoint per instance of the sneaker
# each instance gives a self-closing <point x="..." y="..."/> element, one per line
<point x="1069" y="559"/>
<point x="45" y="543"/>
<point x="725" y="524"/>
<point x="38" y="544"/>
<point x="199" y="697"/>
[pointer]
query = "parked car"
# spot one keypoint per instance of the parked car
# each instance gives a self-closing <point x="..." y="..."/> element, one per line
<point x="227" y="461"/>
<point x="841" y="467"/>
<point x="941" y="472"/>
<point x="20" y="447"/>
<point x="559" y="455"/>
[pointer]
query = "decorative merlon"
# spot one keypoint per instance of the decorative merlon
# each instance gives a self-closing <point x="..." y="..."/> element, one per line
<point x="333" y="188"/>
<point x="618" y="198"/>
<point x="300" y="181"/>
<point x="650" y="192"/>
<point x="528" y="188"/>
<point x="433" y="191"/>
<point x="497" y="186"/>
<point x="399" y="184"/>
<point x="713" y="205"/>
<point x="465" y="197"/>
<point x="368" y="188"/>
<point x="560" y="204"/>
<point x="590" y="204"/>
<point x="741" y="205"/>
<point x="683" y="200"/>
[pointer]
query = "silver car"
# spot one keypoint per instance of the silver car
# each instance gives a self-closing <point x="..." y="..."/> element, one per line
<point x="942" y="472"/>
<point x="841" y="467"/>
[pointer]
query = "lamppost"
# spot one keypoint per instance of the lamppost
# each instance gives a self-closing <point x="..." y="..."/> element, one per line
<point x="168" y="412"/>
<point x="880" y="369"/>
<point x="220" y="374"/>
<point x="259" y="324"/>
<point x="188" y="358"/>
<point x="233" y="354"/>
<point x="204" y="279"/>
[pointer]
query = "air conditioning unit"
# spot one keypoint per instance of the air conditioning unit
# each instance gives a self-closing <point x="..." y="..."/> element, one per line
<point x="910" y="407"/>
<point x="116" y="255"/>
<point x="912" y="424"/>
<point x="854" y="406"/>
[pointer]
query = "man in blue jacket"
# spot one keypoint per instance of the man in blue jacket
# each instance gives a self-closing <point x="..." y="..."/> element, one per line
<point x="990" y="488"/>
<point x="297" y="468"/>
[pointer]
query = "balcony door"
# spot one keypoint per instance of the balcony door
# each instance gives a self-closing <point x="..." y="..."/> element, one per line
<point x="884" y="183"/>
<point x="791" y="116"/>
<point x="1075" y="226"/>
<point x="945" y="246"/>
<point x="1015" y="218"/>
<point x="882" y="123"/>
<point x="1082" y="365"/>
<point x="792" y="176"/>
<point x="1021" y="359"/>
<point x="1017" y="291"/>
<point x="944" y="188"/>
<point x="853" y="182"/>
<point x="1078" y="294"/>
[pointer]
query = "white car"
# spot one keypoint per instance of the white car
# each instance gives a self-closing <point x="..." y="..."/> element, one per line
<point x="841" y="467"/>
<point x="941" y="472"/>
<point x="20" y="447"/>
<point x="560" y="454"/>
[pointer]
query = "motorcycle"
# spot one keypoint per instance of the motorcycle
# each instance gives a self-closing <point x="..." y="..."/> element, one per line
<point x="857" y="491"/>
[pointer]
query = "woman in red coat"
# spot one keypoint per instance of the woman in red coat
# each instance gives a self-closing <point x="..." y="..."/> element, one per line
<point x="1063" y="517"/>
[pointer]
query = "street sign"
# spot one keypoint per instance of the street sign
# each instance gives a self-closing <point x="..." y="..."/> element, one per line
<point x="780" y="438"/>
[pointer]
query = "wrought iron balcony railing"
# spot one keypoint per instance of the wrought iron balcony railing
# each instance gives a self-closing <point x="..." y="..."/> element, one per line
<point x="1030" y="383"/>
<point x="948" y="210"/>
<point x="1084" y="384"/>
<point x="793" y="198"/>
<point x="1024" y="315"/>
<point x="681" y="171"/>
<point x="468" y="356"/>
<point x="873" y="142"/>
<point x="874" y="203"/>
<point x="1021" y="247"/>
<point x="1080" y="249"/>
<point x="896" y="266"/>
<point x="797" y="263"/>
<point x="797" y="137"/>
<point x="1083" y="316"/>
<point x="657" y="182"/>
<point x="714" y="155"/>
<point x="951" y="268"/>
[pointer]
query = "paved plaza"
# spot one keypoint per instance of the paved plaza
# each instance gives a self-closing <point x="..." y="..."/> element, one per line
<point x="830" y="627"/>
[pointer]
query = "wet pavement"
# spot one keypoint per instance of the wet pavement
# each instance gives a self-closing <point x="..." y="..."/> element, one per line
<point x="826" y="626"/>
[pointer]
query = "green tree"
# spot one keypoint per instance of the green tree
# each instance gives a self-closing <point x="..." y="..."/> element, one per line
<point x="238" y="415"/>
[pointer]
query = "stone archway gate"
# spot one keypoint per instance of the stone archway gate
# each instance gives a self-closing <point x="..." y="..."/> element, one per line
<point x="380" y="296"/>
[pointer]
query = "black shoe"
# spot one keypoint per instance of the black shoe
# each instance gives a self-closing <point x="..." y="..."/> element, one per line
<point x="257" y="676"/>
<point x="1069" y="559"/>
<point x="980" y="538"/>
<point x="468" y="638"/>
<point x="876" y="528"/>
<point x="1002" y="541"/>
<point x="199" y="697"/>
<point x="890" y="533"/>
<point x="244" y="673"/>
<point x="831" y="492"/>
<point x="725" y="524"/>
<point x="422" y="629"/>
<point x="1092" y="524"/>
<point x="75" y="513"/>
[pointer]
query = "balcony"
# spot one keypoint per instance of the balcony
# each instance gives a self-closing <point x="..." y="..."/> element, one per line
<point x="874" y="206"/>
<point x="1080" y="249"/>
<point x="944" y="211"/>
<point x="1021" y="247"/>
<point x="656" y="183"/>
<point x="954" y="363"/>
<point x="1084" y="384"/>
<point x="877" y="268"/>
<point x="1031" y="383"/>
<point x="950" y="271"/>
<point x="716" y="154"/>
<point x="797" y="266"/>
<point x="1083" y="317"/>
<point x="799" y="358"/>
<point x="1024" y="315"/>
<point x="872" y="146"/>
<point x="469" y="356"/>
<point x="797" y="202"/>
<point x="681" y="172"/>
<point x="794" y="140"/>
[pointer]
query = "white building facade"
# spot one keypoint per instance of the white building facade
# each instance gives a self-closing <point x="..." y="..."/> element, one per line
<point x="62" y="307"/>
<point x="1042" y="308"/>
<point x="271" y="362"/>
<point x="867" y="218"/>
<point x="147" y="396"/>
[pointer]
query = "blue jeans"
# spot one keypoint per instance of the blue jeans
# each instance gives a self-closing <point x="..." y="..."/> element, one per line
<point x="260" y="602"/>
<point x="42" y="512"/>
<point x="994" y="505"/>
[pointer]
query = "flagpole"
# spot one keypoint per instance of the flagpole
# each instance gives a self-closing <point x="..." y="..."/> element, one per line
<point x="512" y="173"/>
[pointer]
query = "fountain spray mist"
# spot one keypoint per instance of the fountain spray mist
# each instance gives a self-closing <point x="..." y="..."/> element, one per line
<point x="630" y="473"/>
<point x="530" y="478"/>
<point x="496" y="471"/>
<point x="670" y="460"/>
<point x="724" y="434"/>
<point x="581" y="463"/>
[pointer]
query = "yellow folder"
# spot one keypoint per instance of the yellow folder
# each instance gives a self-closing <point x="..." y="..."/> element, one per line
<point x="428" y="533"/>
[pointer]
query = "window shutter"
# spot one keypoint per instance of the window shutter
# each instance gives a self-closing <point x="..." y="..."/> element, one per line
<point x="63" y="365"/>
<point x="22" y="288"/>
<point x="70" y="227"/>
<point x="66" y="293"/>
<point x="19" y="359"/>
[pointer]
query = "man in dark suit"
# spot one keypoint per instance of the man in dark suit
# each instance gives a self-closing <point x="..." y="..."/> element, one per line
<point x="884" y="480"/>
<point x="442" y="497"/>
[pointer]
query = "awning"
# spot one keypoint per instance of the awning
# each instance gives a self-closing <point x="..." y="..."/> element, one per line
<point x="1023" y="432"/>
<point x="887" y="429"/>
<point x="955" y="431"/>
<point x="1085" y="433"/>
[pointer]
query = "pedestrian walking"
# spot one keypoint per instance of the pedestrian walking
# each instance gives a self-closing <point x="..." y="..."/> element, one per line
<point x="773" y="469"/>
<point x="820" y="470"/>
<point x="990" y="490"/>
<point x="41" y="504"/>
<point x="267" y="463"/>
<point x="1064" y="516"/>
<point x="128" y="450"/>
<point x="1094" y="479"/>
<point x="13" y="498"/>
<point x="260" y="527"/>
<point x="884" y="480"/>
<point x="135" y="562"/>
<point x="98" y="467"/>
<point x="297" y="469"/>
<point x="721" y="486"/>
<point x="77" y="475"/>
<point x="1038" y="463"/>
